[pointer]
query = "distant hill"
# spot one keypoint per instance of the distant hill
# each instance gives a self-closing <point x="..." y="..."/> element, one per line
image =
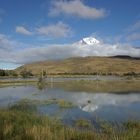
<point x="86" y="65"/>
<point x="126" y="57"/>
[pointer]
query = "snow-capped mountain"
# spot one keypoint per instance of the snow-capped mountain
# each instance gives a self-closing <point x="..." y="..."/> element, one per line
<point x="88" y="41"/>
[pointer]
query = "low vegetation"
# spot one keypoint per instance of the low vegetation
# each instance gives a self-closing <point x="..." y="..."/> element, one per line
<point x="22" y="122"/>
<point x="64" y="104"/>
<point x="26" y="73"/>
<point x="129" y="84"/>
<point x="22" y="125"/>
<point x="6" y="73"/>
<point x="30" y="105"/>
<point x="100" y="86"/>
<point x="83" y="123"/>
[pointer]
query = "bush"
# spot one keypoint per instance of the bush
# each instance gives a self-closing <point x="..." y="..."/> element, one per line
<point x="26" y="73"/>
<point x="3" y="73"/>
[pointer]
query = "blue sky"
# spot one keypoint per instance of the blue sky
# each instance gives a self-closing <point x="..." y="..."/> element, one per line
<point x="29" y="24"/>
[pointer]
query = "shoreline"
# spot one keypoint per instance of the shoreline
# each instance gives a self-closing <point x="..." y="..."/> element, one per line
<point x="26" y="125"/>
<point x="117" y="86"/>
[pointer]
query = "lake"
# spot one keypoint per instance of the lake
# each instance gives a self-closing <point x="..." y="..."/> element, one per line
<point x="92" y="100"/>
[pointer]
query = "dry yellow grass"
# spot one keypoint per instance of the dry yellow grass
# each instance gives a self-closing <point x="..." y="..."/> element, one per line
<point x="85" y="65"/>
<point x="18" y="125"/>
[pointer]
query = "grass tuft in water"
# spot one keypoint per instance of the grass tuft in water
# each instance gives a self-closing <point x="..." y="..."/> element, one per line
<point x="31" y="105"/>
<point x="64" y="104"/>
<point x="83" y="123"/>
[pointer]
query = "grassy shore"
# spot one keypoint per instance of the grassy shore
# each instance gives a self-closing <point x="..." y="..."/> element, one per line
<point x="19" y="125"/>
<point x="129" y="84"/>
<point x="118" y="86"/>
<point x="22" y="122"/>
<point x="5" y="83"/>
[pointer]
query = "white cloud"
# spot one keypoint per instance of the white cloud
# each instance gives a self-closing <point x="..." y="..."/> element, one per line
<point x="46" y="52"/>
<point x="10" y="52"/>
<point x="58" y="30"/>
<point x="6" y="43"/>
<point x="9" y="48"/>
<point x="23" y="30"/>
<point x="76" y="8"/>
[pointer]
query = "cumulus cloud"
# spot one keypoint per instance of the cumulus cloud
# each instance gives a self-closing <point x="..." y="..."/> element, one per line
<point x="58" y="30"/>
<point x="23" y="30"/>
<point x="47" y="52"/>
<point x="65" y="51"/>
<point x="6" y="43"/>
<point x="76" y="8"/>
<point x="8" y="49"/>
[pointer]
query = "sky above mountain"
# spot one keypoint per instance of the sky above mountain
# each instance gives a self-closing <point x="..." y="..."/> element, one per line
<point x="35" y="30"/>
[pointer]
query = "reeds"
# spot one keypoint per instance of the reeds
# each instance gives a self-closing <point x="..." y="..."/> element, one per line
<point x="22" y="125"/>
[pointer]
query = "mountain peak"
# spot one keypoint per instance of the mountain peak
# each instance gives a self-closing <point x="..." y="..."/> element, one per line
<point x="89" y="41"/>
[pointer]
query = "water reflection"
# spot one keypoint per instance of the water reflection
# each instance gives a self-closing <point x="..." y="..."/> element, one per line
<point x="110" y="106"/>
<point x="104" y="99"/>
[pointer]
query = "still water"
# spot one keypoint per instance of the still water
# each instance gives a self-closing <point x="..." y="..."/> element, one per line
<point x="89" y="104"/>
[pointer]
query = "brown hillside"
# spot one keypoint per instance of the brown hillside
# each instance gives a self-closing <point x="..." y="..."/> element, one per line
<point x="85" y="65"/>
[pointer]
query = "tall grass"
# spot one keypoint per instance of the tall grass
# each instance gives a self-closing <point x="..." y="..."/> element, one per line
<point x="22" y="125"/>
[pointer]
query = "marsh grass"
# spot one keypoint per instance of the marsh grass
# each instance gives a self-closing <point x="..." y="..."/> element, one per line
<point x="65" y="104"/>
<point x="41" y="85"/>
<point x="83" y="123"/>
<point x="24" y="106"/>
<point x="21" y="122"/>
<point x="18" y="125"/>
<point x="31" y="105"/>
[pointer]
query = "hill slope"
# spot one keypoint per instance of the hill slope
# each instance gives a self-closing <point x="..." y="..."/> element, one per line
<point x="85" y="65"/>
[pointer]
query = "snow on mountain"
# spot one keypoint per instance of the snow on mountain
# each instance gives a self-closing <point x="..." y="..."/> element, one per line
<point x="88" y="41"/>
<point x="90" y="46"/>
